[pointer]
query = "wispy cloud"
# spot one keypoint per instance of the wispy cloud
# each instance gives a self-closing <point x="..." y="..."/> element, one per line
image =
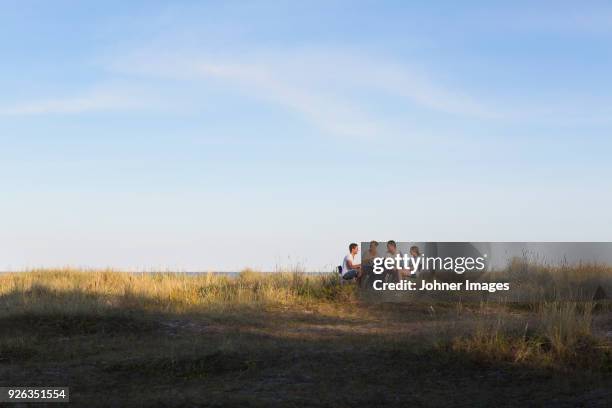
<point x="320" y="86"/>
<point x="99" y="99"/>
<point x="326" y="109"/>
<point x="338" y="92"/>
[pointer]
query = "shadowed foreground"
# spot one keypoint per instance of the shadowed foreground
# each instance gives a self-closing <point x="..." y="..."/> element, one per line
<point x="290" y="339"/>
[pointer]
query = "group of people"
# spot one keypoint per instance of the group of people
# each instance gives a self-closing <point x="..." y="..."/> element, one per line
<point x="352" y="269"/>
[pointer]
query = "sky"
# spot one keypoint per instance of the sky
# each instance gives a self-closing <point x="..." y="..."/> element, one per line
<point x="197" y="136"/>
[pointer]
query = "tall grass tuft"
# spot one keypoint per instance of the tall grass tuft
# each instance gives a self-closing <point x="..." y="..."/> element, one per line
<point x="75" y="291"/>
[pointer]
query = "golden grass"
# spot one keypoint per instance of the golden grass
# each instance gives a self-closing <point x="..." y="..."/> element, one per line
<point x="544" y="328"/>
<point x="71" y="290"/>
<point x="537" y="283"/>
<point x="560" y="334"/>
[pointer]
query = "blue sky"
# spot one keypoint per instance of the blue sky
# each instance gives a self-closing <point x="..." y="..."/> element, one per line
<point x="220" y="135"/>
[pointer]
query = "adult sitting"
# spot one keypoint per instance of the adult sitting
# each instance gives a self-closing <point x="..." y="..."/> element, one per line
<point x="351" y="269"/>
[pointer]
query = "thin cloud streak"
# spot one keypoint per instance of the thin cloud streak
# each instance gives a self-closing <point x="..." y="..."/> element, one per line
<point x="354" y="73"/>
<point x="316" y="85"/>
<point x="320" y="86"/>
<point x="328" y="111"/>
<point x="100" y="99"/>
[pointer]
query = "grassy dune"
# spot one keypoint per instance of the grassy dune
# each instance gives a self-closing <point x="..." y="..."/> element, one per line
<point x="294" y="339"/>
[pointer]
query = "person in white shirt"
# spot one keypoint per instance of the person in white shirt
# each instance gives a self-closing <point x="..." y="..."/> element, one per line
<point x="351" y="268"/>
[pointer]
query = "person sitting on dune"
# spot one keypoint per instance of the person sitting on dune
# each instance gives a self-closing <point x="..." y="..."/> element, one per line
<point x="415" y="254"/>
<point x="392" y="274"/>
<point x="351" y="269"/>
<point x="368" y="263"/>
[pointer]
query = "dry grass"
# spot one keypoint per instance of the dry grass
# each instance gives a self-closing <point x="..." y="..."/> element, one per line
<point x="546" y="320"/>
<point x="262" y="333"/>
<point x="76" y="291"/>
<point x="536" y="283"/>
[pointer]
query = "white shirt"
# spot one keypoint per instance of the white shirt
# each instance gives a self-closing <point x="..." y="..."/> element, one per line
<point x="345" y="264"/>
<point x="393" y="256"/>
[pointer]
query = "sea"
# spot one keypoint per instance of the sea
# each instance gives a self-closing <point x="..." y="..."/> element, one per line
<point x="228" y="274"/>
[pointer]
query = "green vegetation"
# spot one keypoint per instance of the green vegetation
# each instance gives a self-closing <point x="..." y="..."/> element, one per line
<point x="261" y="339"/>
